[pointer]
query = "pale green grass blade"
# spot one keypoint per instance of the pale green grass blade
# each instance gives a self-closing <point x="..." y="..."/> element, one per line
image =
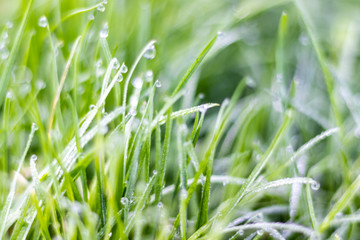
<point x="5" y="75"/>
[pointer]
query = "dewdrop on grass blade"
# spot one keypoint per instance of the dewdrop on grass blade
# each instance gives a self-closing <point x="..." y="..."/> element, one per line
<point x="150" y="53"/>
<point x="315" y="186"/>
<point x="4" y="53"/>
<point x="9" y="25"/>
<point x="123" y="68"/>
<point x="40" y="85"/>
<point x="220" y="35"/>
<point x="137" y="82"/>
<point x="92" y="106"/>
<point x="116" y="64"/>
<point x="160" y="205"/>
<point x="43" y="22"/>
<point x="158" y="84"/>
<point x="34" y="126"/>
<point x="101" y="7"/>
<point x="119" y="78"/>
<point x="124" y="201"/>
<point x="104" y="32"/>
<point x="149" y="75"/>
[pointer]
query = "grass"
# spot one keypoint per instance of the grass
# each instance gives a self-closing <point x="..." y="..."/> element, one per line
<point x="179" y="119"/>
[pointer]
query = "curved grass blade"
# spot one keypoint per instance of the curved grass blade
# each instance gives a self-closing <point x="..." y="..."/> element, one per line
<point x="195" y="65"/>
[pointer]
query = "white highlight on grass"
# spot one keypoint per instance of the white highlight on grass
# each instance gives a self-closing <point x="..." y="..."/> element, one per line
<point x="276" y="225"/>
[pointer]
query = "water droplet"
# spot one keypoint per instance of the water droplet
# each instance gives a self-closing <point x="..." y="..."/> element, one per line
<point x="110" y="234"/>
<point x="5" y="36"/>
<point x="119" y="78"/>
<point x="33" y="157"/>
<point x="4" y="53"/>
<point x="220" y="35"/>
<point x="150" y="53"/>
<point x="132" y="112"/>
<point x="124" y="201"/>
<point x="43" y="22"/>
<point x="116" y="64"/>
<point x="155" y="172"/>
<point x="34" y="126"/>
<point x="250" y="82"/>
<point x="104" y="32"/>
<point x="101" y="7"/>
<point x="92" y="106"/>
<point x="149" y="75"/>
<point x="160" y="205"/>
<point x="315" y="186"/>
<point x="98" y="63"/>
<point x="260" y="232"/>
<point x="9" y="25"/>
<point x="158" y="83"/>
<point x="91" y="17"/>
<point x="9" y="95"/>
<point x="203" y="108"/>
<point x="105" y="2"/>
<point x="240" y="232"/>
<point x="123" y="68"/>
<point x="137" y="82"/>
<point x="201" y="96"/>
<point x="40" y="84"/>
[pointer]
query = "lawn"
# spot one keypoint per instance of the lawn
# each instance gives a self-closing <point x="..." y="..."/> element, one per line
<point x="179" y="119"/>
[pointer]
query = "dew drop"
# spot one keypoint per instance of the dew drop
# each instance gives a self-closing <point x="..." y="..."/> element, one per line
<point x="201" y="96"/>
<point x="132" y="112"/>
<point x="240" y="232"/>
<point x="92" y="106"/>
<point x="9" y="25"/>
<point x="315" y="186"/>
<point x="250" y="82"/>
<point x="9" y="95"/>
<point x="149" y="75"/>
<point x="104" y="32"/>
<point x="137" y="82"/>
<point x="155" y="172"/>
<point x="34" y="126"/>
<point x="91" y="17"/>
<point x="101" y="7"/>
<point x="5" y="36"/>
<point x="116" y="64"/>
<point x="119" y="78"/>
<point x="98" y="63"/>
<point x="4" y="53"/>
<point x="33" y="158"/>
<point x="150" y="53"/>
<point x="260" y="232"/>
<point x="105" y="2"/>
<point x="160" y="205"/>
<point x="110" y="234"/>
<point x="158" y="83"/>
<point x="123" y="68"/>
<point x="124" y="201"/>
<point x="40" y="84"/>
<point x="43" y="22"/>
<point x="220" y="35"/>
<point x="203" y="108"/>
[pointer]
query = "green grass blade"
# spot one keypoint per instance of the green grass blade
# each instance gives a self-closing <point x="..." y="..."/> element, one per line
<point x="5" y="75"/>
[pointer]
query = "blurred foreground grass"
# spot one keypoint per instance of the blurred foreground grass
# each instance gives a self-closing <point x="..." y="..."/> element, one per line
<point x="103" y="132"/>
